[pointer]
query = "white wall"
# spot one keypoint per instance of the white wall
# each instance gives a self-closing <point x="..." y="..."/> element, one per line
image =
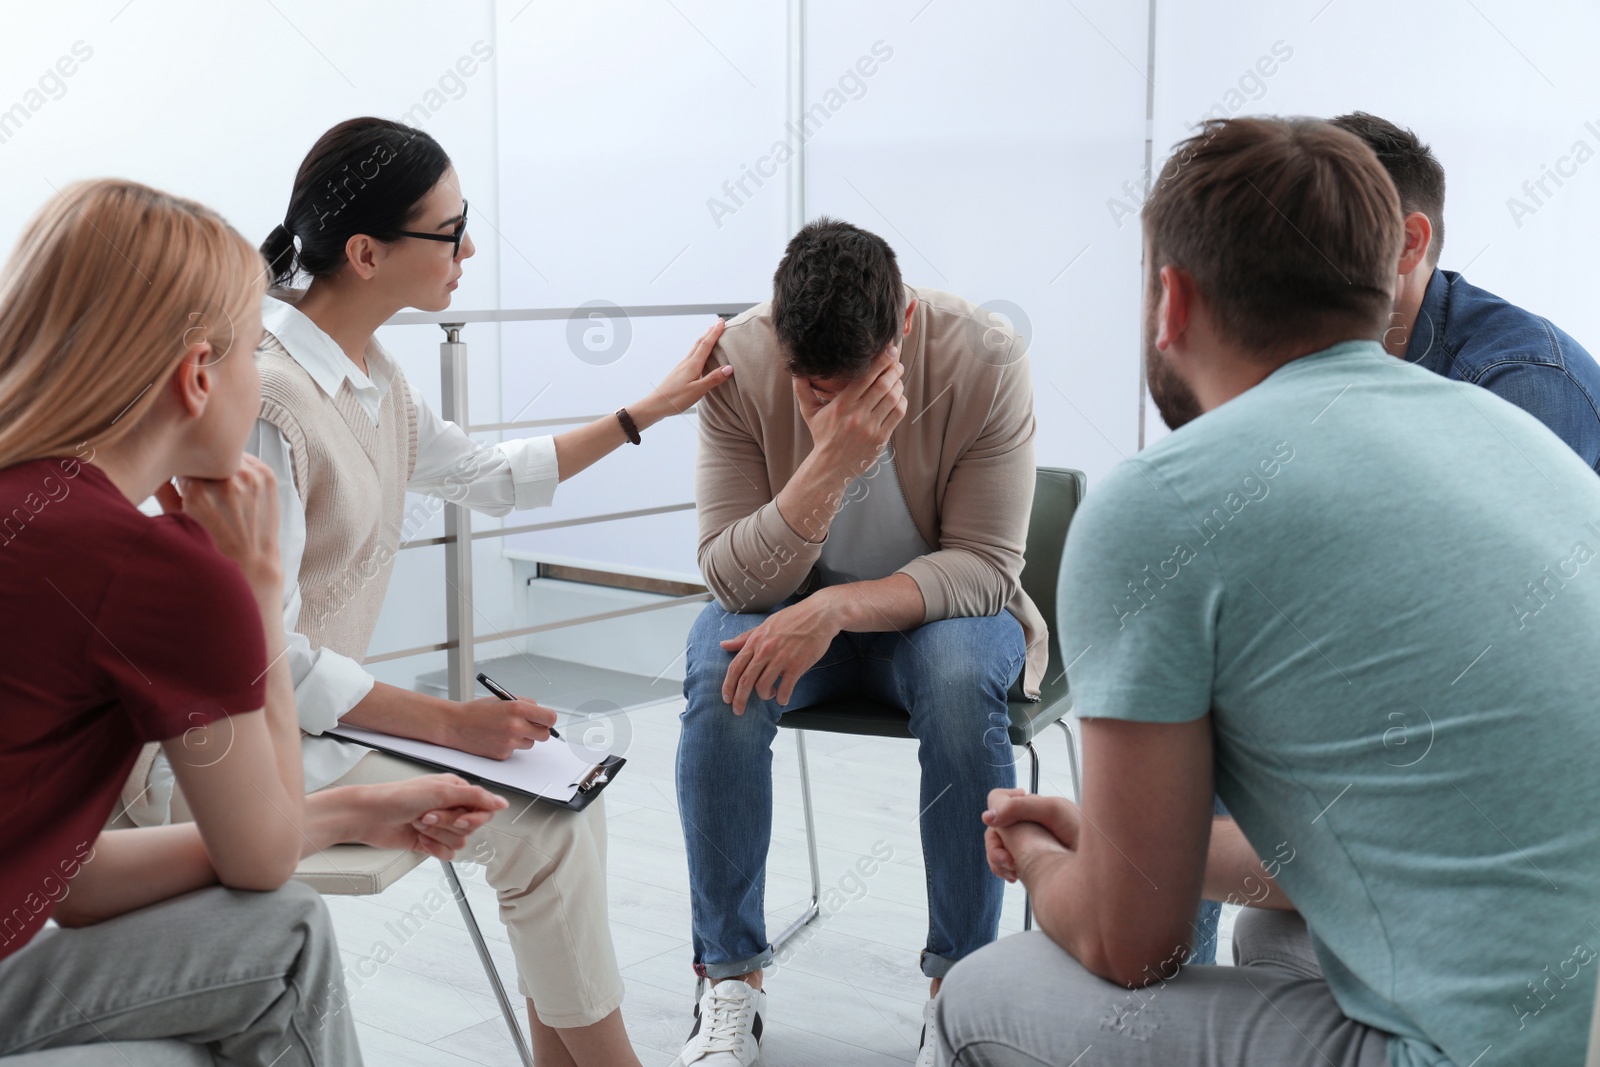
<point x="1499" y="89"/>
<point x="999" y="147"/>
<point x="616" y="129"/>
<point x="220" y="104"/>
<point x="981" y="153"/>
<point x="954" y="130"/>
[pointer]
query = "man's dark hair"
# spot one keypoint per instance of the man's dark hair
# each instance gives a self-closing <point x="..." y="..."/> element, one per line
<point x="1289" y="227"/>
<point x="836" y="299"/>
<point x="1416" y="172"/>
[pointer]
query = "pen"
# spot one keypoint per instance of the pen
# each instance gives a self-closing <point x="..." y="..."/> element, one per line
<point x="498" y="690"/>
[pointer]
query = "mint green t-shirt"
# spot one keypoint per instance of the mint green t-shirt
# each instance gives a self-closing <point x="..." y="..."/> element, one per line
<point x="1384" y="587"/>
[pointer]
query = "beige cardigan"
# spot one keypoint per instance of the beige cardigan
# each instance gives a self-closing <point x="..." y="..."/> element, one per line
<point x="964" y="455"/>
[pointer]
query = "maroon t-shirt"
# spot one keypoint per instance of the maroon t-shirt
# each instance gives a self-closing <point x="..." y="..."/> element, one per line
<point x="116" y="628"/>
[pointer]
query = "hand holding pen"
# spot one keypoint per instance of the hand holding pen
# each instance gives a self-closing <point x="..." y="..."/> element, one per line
<point x="500" y="691"/>
<point x="496" y="726"/>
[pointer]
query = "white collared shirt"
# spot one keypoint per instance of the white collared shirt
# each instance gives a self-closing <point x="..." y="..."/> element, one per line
<point x="512" y="475"/>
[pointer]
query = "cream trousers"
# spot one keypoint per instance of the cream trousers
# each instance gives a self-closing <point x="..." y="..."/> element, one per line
<point x="548" y="867"/>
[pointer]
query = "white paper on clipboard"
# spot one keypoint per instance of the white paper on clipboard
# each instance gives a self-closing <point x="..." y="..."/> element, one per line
<point x="550" y="769"/>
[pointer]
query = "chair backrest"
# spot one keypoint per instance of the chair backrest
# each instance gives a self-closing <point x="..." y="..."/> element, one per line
<point x="1593" y="1059"/>
<point x="1057" y="492"/>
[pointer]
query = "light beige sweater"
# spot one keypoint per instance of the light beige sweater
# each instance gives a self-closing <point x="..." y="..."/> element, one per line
<point x="964" y="455"/>
<point x="351" y="476"/>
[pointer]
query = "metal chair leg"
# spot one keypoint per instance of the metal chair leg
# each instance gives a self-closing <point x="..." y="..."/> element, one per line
<point x="1072" y="760"/>
<point x="814" y="909"/>
<point x="520" y="1042"/>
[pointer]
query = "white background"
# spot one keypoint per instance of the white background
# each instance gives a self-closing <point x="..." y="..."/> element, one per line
<point x="991" y="149"/>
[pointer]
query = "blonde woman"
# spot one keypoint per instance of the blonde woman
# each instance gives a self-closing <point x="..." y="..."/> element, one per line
<point x="377" y="221"/>
<point x="118" y="313"/>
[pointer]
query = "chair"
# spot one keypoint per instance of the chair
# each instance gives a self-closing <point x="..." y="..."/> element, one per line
<point x="359" y="870"/>
<point x="1593" y="1059"/>
<point x="339" y="870"/>
<point x="1057" y="493"/>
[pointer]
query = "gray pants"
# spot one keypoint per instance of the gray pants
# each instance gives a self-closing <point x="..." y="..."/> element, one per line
<point x="240" y="978"/>
<point x="1024" y="1002"/>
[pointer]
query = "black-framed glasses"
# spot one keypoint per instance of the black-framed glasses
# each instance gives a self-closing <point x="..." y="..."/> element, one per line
<point x="454" y="236"/>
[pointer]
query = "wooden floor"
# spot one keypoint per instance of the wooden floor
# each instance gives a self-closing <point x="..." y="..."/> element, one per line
<point x="850" y="994"/>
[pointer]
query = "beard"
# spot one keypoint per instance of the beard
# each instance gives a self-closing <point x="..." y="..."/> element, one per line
<point x="1174" y="399"/>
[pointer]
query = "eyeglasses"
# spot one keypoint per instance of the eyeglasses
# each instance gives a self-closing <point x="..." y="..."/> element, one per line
<point x="454" y="236"/>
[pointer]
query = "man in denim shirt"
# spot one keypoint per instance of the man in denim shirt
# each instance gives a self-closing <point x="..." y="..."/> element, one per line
<point x="1452" y="328"/>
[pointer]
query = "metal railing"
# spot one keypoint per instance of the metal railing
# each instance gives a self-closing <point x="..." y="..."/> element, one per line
<point x="460" y="639"/>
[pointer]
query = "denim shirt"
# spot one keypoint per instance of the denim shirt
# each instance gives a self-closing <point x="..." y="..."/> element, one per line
<point x="1470" y="335"/>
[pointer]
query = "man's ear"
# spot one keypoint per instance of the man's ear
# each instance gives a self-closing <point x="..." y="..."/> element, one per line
<point x="193" y="380"/>
<point x="911" y="306"/>
<point x="1174" y="303"/>
<point x="1419" y="238"/>
<point x="362" y="253"/>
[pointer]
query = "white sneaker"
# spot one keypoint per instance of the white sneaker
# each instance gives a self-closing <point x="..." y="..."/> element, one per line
<point x="930" y="1040"/>
<point x="727" y="1027"/>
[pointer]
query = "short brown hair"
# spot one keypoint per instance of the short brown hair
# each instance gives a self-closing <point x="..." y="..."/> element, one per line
<point x="836" y="299"/>
<point x="1417" y="173"/>
<point x="1290" y="229"/>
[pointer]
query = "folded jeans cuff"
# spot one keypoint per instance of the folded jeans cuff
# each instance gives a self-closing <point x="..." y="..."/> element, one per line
<point x="934" y="966"/>
<point x="716" y="971"/>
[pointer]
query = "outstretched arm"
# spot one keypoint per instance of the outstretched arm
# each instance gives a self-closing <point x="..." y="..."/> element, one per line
<point x="679" y="391"/>
<point x="134" y="868"/>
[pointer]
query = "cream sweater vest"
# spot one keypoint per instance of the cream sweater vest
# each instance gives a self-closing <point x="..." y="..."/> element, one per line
<point x="351" y="476"/>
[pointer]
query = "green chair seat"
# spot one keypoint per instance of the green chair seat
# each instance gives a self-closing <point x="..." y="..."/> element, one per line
<point x="1057" y="493"/>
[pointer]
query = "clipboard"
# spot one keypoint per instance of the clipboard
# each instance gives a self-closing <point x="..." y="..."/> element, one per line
<point x="571" y="783"/>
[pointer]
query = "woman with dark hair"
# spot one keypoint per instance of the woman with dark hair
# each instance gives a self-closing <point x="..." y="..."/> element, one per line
<point x="179" y="944"/>
<point x="378" y="223"/>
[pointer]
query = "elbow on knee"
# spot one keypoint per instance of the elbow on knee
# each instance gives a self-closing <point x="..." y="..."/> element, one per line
<point x="1135" y="966"/>
<point x="255" y="881"/>
<point x="257" y="874"/>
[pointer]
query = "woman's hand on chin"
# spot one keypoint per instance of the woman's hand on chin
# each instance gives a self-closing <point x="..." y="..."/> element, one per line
<point x="241" y="515"/>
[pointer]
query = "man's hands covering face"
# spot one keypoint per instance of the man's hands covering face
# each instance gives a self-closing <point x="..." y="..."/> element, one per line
<point x="852" y="428"/>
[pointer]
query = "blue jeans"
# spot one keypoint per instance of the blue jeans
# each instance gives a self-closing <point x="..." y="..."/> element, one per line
<point x="950" y="676"/>
<point x="1205" y="922"/>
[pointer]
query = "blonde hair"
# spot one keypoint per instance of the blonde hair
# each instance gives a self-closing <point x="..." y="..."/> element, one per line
<point x="109" y="285"/>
